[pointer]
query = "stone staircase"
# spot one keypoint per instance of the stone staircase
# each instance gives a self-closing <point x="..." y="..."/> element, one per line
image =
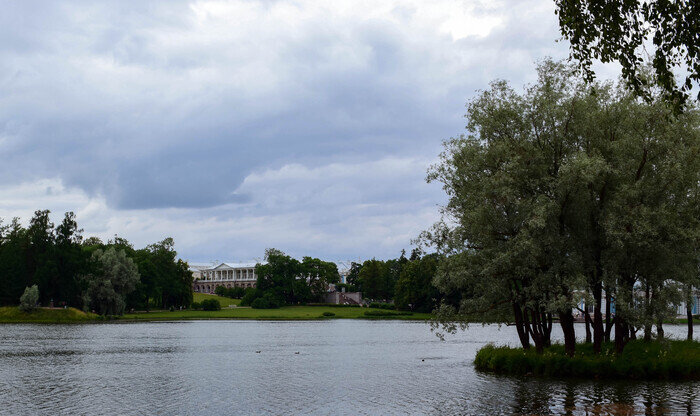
<point x="344" y="300"/>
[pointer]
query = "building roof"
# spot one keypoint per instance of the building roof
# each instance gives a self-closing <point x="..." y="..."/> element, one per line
<point x="227" y="265"/>
<point x="196" y="267"/>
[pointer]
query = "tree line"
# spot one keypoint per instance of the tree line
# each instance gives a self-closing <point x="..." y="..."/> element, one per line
<point x="87" y="273"/>
<point x="284" y="280"/>
<point x="568" y="192"/>
<point x="407" y="282"/>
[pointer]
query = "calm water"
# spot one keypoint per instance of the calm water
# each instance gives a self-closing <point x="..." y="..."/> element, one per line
<point x="326" y="368"/>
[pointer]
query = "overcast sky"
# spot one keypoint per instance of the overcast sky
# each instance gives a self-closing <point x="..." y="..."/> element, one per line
<point x="233" y="126"/>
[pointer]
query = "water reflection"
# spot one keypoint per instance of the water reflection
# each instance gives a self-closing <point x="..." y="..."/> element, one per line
<point x="604" y="398"/>
<point x="330" y="367"/>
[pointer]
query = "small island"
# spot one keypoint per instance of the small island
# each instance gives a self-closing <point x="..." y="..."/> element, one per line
<point x="572" y="206"/>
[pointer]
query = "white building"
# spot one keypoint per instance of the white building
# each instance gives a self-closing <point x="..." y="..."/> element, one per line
<point x="197" y="268"/>
<point x="225" y="274"/>
<point x="343" y="270"/>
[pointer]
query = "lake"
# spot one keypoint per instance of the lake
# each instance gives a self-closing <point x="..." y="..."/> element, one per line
<point x="329" y="367"/>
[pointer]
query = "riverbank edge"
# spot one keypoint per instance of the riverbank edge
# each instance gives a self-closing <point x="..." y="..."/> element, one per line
<point x="12" y="315"/>
<point x="640" y="360"/>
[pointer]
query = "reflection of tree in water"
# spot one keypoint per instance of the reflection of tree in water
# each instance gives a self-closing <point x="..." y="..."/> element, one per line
<point x="655" y="399"/>
<point x="691" y="397"/>
<point x="537" y="397"/>
<point x="532" y="397"/>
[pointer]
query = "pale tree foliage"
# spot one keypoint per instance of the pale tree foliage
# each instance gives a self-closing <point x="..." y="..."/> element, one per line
<point x="115" y="275"/>
<point x="29" y="299"/>
<point x="566" y="192"/>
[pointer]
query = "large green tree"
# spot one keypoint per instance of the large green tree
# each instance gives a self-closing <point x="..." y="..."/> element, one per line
<point x="279" y="279"/>
<point x="563" y="192"/>
<point x="113" y="276"/>
<point x="319" y="275"/>
<point x="414" y="288"/>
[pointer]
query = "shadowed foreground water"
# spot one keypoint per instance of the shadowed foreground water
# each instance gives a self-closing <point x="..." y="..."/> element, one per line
<point x="323" y="367"/>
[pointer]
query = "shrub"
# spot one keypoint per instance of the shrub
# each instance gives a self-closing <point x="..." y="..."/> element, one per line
<point x="250" y="295"/>
<point x="211" y="305"/>
<point x="639" y="360"/>
<point x="381" y="305"/>
<point x="29" y="299"/>
<point x="267" y="301"/>
<point x="236" y="292"/>
<point x="195" y="305"/>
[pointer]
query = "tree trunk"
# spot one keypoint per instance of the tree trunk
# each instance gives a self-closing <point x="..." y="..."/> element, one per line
<point x="621" y="334"/>
<point x="647" y="309"/>
<point x="566" y="319"/>
<point x="587" y="318"/>
<point x="547" y="329"/>
<point x="608" y="330"/>
<point x="534" y="330"/>
<point x="689" y="313"/>
<point x="520" y="326"/>
<point x="597" y="318"/>
<point x="608" y="319"/>
<point x="659" y="329"/>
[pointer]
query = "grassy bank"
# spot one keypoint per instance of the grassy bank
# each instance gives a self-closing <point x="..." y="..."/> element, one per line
<point x="11" y="314"/>
<point x="668" y="360"/>
<point x="224" y="301"/>
<point x="285" y="313"/>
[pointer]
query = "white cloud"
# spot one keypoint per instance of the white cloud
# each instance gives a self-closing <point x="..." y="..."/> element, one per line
<point x="337" y="210"/>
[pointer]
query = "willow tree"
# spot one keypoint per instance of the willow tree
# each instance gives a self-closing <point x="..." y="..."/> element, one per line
<point x="559" y="193"/>
<point x="631" y="32"/>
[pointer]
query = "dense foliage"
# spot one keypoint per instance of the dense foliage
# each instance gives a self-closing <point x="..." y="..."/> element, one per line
<point x="407" y="282"/>
<point x="284" y="280"/>
<point x="230" y="292"/>
<point x="210" y="305"/>
<point x="113" y="276"/>
<point x="625" y="30"/>
<point x="563" y="194"/>
<point x="68" y="270"/>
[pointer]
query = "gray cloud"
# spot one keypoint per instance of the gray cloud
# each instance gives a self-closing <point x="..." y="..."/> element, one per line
<point x="227" y="112"/>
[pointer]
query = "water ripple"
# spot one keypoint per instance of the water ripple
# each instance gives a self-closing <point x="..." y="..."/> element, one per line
<point x="302" y="368"/>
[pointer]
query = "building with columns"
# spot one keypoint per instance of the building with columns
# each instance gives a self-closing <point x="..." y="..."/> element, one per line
<point x="225" y="274"/>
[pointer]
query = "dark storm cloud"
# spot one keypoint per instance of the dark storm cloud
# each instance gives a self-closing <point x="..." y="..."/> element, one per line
<point x="114" y="99"/>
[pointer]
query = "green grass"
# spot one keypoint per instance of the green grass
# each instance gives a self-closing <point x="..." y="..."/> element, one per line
<point x="225" y="302"/>
<point x="284" y="313"/>
<point x="11" y="314"/>
<point x="668" y="359"/>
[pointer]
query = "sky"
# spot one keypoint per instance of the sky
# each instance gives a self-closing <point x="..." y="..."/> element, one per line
<point x="234" y="126"/>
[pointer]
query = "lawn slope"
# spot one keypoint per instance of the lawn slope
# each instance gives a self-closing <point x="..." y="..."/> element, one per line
<point x="284" y="313"/>
<point x="12" y="314"/>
